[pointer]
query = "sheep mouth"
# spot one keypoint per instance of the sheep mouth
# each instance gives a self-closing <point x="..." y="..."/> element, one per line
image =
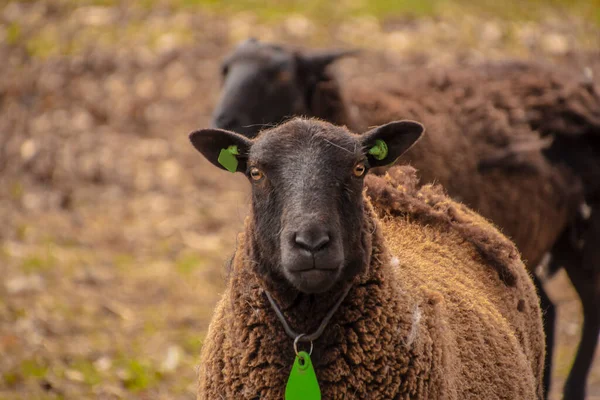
<point x="313" y="280"/>
<point x="305" y="267"/>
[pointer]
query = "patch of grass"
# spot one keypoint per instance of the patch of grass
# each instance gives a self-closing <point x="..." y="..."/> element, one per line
<point x="187" y="263"/>
<point x="192" y="344"/>
<point x="11" y="378"/>
<point x="50" y="42"/>
<point x="21" y="231"/>
<point x="16" y="191"/>
<point x="91" y="375"/>
<point x="33" y="369"/>
<point x="42" y="46"/>
<point x="19" y="312"/>
<point x="138" y="375"/>
<point x="40" y="261"/>
<point x="329" y="10"/>
<point x="533" y="9"/>
<point x="123" y="261"/>
<point x="34" y="264"/>
<point x="151" y="326"/>
<point x="13" y="33"/>
<point x="47" y="42"/>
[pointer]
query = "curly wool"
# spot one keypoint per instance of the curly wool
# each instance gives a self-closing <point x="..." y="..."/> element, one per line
<point x="432" y="316"/>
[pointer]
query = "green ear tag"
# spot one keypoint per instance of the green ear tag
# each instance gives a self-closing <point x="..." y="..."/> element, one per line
<point x="380" y="150"/>
<point x="227" y="158"/>
<point x="302" y="383"/>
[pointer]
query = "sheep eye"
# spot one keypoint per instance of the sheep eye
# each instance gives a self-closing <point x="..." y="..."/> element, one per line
<point x="359" y="169"/>
<point x="256" y="174"/>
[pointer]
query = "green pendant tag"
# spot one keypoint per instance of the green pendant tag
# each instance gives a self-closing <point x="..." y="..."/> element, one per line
<point x="227" y="158"/>
<point x="302" y="383"/>
<point x="380" y="150"/>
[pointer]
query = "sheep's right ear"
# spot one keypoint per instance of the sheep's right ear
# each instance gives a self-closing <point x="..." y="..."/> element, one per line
<point x="226" y="150"/>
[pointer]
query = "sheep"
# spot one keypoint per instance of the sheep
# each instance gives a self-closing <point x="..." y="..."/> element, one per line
<point x="427" y="299"/>
<point x="517" y="142"/>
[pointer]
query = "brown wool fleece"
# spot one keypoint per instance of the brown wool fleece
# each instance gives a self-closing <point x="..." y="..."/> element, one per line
<point x="474" y="116"/>
<point x="444" y="310"/>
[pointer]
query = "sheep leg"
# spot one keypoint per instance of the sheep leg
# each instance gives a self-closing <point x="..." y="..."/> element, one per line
<point x="549" y="312"/>
<point x="575" y="385"/>
<point x="586" y="280"/>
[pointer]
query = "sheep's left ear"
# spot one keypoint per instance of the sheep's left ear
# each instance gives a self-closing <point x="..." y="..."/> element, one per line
<point x="384" y="144"/>
<point x="224" y="149"/>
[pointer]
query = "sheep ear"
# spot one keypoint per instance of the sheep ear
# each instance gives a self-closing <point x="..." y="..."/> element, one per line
<point x="384" y="144"/>
<point x="316" y="62"/>
<point x="224" y="149"/>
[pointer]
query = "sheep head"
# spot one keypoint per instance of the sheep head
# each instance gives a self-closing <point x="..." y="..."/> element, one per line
<point x="307" y="194"/>
<point x="264" y="84"/>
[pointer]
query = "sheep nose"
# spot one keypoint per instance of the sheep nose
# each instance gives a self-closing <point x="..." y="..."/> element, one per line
<point x="312" y="240"/>
<point x="225" y="121"/>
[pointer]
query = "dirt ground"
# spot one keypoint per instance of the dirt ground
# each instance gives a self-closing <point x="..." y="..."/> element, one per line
<point x="113" y="231"/>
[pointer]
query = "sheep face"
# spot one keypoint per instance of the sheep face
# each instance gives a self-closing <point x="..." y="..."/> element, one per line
<point x="307" y="202"/>
<point x="264" y="84"/>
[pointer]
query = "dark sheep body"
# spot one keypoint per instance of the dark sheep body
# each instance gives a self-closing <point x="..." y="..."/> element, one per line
<point x="430" y="318"/>
<point x="465" y="128"/>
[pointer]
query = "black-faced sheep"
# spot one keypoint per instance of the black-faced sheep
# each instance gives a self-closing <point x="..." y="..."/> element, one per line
<point x="519" y="143"/>
<point x="434" y="303"/>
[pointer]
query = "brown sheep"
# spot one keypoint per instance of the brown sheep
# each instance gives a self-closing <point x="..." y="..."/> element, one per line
<point x="519" y="143"/>
<point x="438" y="304"/>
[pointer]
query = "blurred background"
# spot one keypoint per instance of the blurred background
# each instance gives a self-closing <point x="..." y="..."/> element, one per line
<point x="114" y="231"/>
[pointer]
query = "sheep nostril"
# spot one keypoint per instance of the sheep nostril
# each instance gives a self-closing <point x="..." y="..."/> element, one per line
<point x="312" y="243"/>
